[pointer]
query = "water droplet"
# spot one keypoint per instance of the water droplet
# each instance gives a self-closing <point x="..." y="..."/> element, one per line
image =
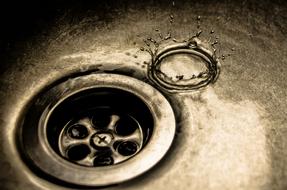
<point x="179" y="77"/>
<point x="212" y="31"/>
<point x="168" y="36"/>
<point x="146" y="43"/>
<point x="198" y="21"/>
<point x="175" y="40"/>
<point x="192" y="43"/>
<point x="142" y="48"/>
<point x="214" y="43"/>
<point x="203" y="74"/>
<point x="198" y="33"/>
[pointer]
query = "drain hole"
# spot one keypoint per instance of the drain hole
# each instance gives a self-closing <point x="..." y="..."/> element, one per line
<point x="78" y="152"/>
<point x="127" y="148"/>
<point x="125" y="126"/>
<point x="116" y="144"/>
<point x="101" y="119"/>
<point x="103" y="158"/>
<point x="103" y="161"/>
<point x="78" y="131"/>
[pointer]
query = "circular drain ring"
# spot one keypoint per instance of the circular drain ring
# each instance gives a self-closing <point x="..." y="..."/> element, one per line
<point x="187" y="48"/>
<point x="43" y="157"/>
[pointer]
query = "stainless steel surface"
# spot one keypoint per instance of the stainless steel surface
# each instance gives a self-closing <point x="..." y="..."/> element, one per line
<point x="230" y="135"/>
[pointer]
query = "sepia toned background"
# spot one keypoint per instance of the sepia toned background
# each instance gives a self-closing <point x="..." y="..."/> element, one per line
<point x="230" y="135"/>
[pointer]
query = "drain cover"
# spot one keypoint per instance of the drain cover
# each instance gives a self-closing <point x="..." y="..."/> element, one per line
<point x="96" y="130"/>
<point x="106" y="132"/>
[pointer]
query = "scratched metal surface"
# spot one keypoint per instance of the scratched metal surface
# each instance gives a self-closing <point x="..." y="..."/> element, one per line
<point x="231" y="135"/>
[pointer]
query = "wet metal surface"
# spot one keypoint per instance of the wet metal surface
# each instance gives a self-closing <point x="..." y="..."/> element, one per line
<point x="230" y="135"/>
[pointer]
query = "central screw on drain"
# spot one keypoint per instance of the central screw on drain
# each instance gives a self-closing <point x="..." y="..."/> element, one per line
<point x="102" y="139"/>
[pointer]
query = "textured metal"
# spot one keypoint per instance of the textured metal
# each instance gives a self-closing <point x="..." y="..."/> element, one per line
<point x="231" y="135"/>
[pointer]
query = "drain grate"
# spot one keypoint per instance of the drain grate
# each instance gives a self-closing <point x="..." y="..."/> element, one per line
<point x="103" y="137"/>
<point x="105" y="126"/>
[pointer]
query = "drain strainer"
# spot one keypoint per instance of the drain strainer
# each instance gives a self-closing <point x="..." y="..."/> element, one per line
<point x="104" y="132"/>
<point x="97" y="130"/>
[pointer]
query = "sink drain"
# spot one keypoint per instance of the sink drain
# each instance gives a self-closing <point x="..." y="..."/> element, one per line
<point x="96" y="130"/>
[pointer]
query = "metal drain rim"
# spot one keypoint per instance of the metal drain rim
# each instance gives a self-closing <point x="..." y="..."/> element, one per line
<point x="211" y="63"/>
<point x="156" y="148"/>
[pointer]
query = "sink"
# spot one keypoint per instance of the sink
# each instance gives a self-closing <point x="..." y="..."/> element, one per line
<point x="230" y="121"/>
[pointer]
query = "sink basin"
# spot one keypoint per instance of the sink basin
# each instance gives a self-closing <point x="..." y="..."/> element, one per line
<point x="230" y="132"/>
